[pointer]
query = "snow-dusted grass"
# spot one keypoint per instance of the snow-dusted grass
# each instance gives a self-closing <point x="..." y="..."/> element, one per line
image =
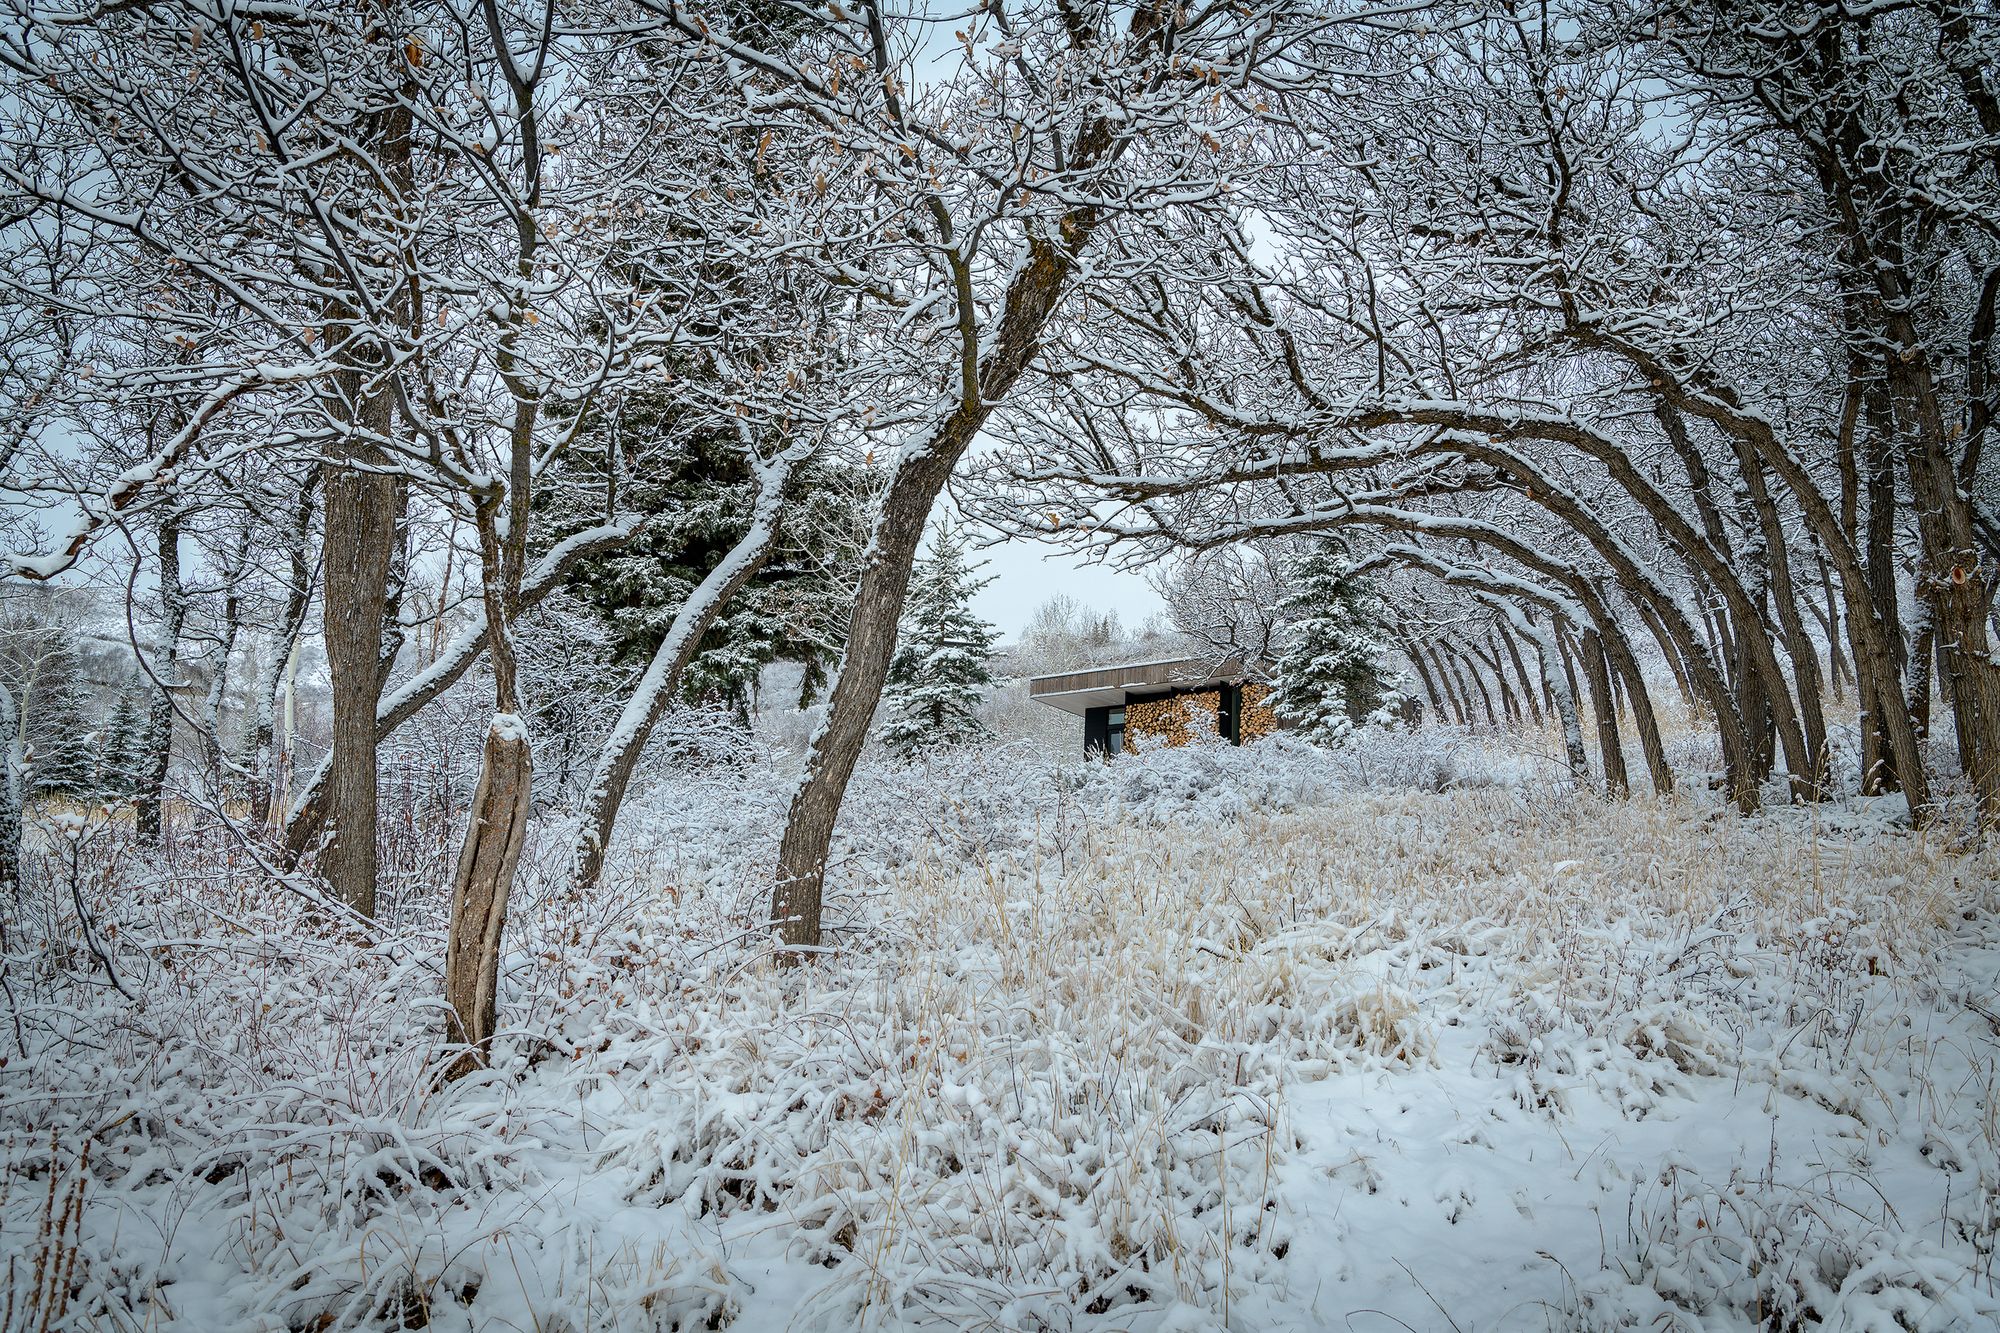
<point x="1208" y="1040"/>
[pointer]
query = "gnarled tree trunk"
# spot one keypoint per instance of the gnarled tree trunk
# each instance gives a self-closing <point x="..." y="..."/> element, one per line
<point x="498" y="823"/>
<point x="481" y="887"/>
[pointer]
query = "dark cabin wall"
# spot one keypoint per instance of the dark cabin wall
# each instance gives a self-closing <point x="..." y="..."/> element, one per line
<point x="1097" y="730"/>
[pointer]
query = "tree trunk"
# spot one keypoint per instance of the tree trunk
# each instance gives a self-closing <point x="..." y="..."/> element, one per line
<point x="1638" y="585"/>
<point x="1450" y="687"/>
<point x="1423" y="674"/>
<point x="1643" y="718"/>
<point x="1951" y="578"/>
<point x="1742" y="786"/>
<point x="1670" y="653"/>
<point x="1471" y="669"/>
<point x="1757" y="692"/>
<point x="395" y="587"/>
<point x="1696" y="392"/>
<point x="1715" y="625"/>
<point x="1561" y="701"/>
<point x="150" y="799"/>
<point x="364" y="507"/>
<point x="358" y="549"/>
<point x="1618" y="650"/>
<point x="1798" y="644"/>
<point x="1836" y="665"/>
<point x="1610" y="748"/>
<point x="1032" y="294"/>
<point x="1877" y="214"/>
<point x="1568" y="663"/>
<point x="1489" y="656"/>
<point x="1504" y="595"/>
<point x="481" y="887"/>
<point x="864" y="666"/>
<point x="284" y="639"/>
<point x="1917" y="683"/>
<point x="1527" y="682"/>
<point x="218" y="683"/>
<point x="1878" y="764"/>
<point x="1564" y="698"/>
<point x="498" y="824"/>
<point x="10" y="795"/>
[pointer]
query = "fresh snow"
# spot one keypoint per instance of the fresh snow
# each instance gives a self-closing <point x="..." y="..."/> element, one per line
<point x="1406" y="1037"/>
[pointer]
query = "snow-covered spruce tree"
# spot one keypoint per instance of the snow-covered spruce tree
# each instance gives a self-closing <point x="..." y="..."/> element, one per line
<point x="699" y="492"/>
<point x="1336" y="635"/>
<point x="121" y="750"/>
<point x="64" y="742"/>
<point x="942" y="653"/>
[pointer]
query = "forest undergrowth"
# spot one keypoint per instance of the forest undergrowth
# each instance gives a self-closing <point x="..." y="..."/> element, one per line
<point x="1206" y="1040"/>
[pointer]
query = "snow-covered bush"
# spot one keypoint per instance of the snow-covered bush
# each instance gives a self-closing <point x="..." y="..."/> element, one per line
<point x="1764" y="1251"/>
<point x="1202" y="1040"/>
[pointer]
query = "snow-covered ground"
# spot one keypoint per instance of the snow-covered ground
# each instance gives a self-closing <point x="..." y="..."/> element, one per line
<point x="1410" y="1038"/>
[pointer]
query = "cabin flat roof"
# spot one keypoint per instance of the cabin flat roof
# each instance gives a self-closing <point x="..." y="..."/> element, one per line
<point x="1093" y="687"/>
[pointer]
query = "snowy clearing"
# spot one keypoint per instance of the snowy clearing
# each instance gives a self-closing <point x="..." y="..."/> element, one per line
<point x="1212" y="1040"/>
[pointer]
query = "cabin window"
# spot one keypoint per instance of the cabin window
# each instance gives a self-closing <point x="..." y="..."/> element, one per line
<point x="1114" y="740"/>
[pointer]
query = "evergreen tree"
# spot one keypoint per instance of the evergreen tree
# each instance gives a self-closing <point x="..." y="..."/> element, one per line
<point x="1335" y="636"/>
<point x="942" y="653"/>
<point x="65" y="745"/>
<point x="697" y="491"/>
<point x="675" y="455"/>
<point x="121" y="755"/>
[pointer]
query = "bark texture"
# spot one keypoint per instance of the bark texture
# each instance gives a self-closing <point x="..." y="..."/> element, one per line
<point x="1032" y="296"/>
<point x="150" y="799"/>
<point x="360" y="544"/>
<point x="480" y="889"/>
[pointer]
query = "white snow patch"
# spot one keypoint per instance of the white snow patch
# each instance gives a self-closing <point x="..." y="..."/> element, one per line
<point x="1208" y="1041"/>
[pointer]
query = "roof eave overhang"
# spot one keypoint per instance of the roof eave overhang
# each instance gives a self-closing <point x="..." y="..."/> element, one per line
<point x="1097" y="696"/>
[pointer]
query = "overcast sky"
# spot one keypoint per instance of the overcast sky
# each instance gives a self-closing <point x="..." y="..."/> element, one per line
<point x="1026" y="574"/>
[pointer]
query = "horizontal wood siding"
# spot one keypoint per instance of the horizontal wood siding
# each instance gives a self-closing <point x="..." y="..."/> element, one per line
<point x="1141" y="676"/>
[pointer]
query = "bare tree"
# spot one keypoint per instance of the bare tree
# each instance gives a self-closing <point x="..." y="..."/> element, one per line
<point x="429" y="241"/>
<point x="1227" y="598"/>
<point x="998" y="177"/>
<point x="1510" y="301"/>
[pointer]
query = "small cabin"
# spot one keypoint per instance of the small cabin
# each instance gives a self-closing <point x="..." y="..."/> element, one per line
<point x="1143" y="705"/>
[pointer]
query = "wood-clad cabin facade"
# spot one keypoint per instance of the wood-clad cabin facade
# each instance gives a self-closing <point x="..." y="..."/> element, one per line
<point x="1176" y="701"/>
